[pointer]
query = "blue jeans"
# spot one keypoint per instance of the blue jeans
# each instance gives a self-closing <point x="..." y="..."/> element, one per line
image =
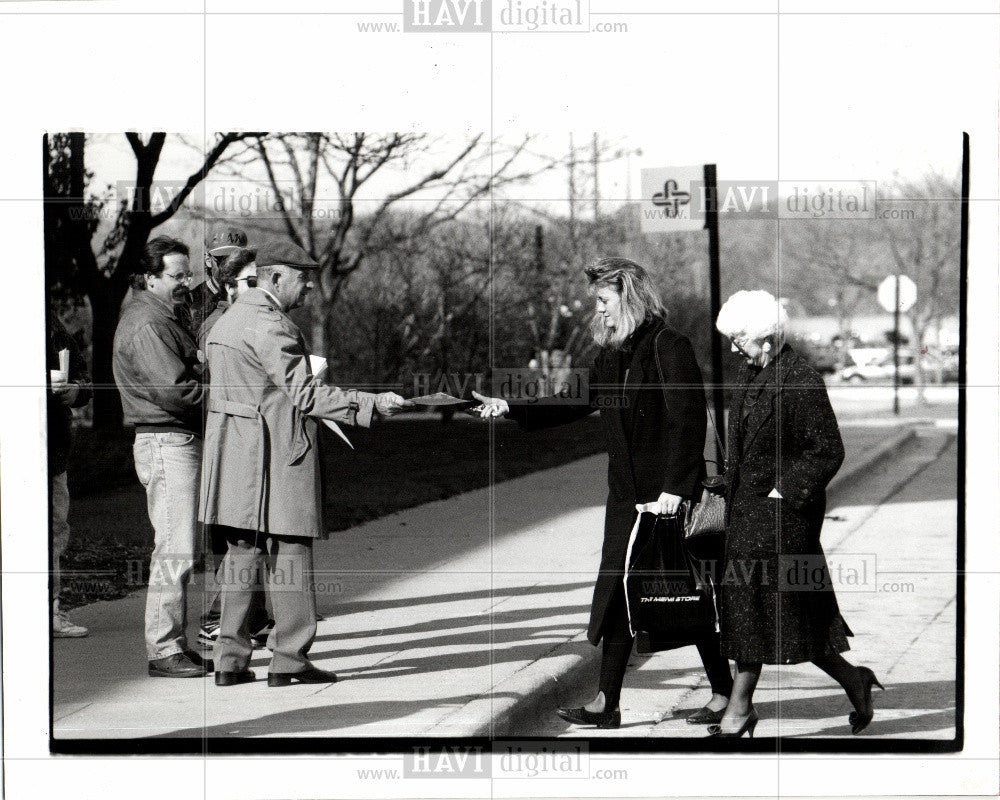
<point x="169" y="466"/>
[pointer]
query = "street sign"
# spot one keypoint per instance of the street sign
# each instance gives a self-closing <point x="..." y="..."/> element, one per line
<point x="887" y="294"/>
<point x="672" y="199"/>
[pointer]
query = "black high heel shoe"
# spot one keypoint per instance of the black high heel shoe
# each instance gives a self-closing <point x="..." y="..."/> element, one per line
<point x="747" y="727"/>
<point x="856" y="719"/>
<point x="602" y="719"/>
<point x="705" y="716"/>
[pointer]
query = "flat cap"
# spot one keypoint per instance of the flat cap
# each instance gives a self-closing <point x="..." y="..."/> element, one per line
<point x="226" y="241"/>
<point x="276" y="251"/>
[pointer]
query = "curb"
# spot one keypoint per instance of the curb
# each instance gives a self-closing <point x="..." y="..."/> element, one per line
<point x="872" y="458"/>
<point x="534" y="690"/>
<point x="531" y="691"/>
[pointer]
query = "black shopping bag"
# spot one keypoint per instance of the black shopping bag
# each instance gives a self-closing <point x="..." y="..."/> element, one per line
<point x="667" y="606"/>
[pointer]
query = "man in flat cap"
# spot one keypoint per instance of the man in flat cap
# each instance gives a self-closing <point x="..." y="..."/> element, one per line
<point x="206" y="296"/>
<point x="261" y="472"/>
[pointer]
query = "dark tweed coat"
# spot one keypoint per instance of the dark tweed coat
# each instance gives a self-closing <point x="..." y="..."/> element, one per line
<point x="776" y="604"/>
<point x="655" y="435"/>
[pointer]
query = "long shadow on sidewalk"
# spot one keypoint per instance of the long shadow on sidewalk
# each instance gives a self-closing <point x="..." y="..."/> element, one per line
<point x="362" y="606"/>
<point x="322" y="719"/>
<point x="935" y="700"/>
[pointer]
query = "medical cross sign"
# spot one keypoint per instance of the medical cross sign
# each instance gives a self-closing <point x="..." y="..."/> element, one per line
<point x="669" y="203"/>
<point x="670" y="199"/>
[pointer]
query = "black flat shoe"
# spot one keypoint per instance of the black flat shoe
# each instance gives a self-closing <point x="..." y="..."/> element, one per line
<point x="705" y="716"/>
<point x="602" y="719"/>
<point x="748" y="726"/>
<point x="311" y="675"/>
<point x="234" y="678"/>
<point x="176" y="666"/>
<point x="857" y="720"/>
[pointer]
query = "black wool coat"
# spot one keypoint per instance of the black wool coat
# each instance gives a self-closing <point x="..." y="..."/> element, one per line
<point x="776" y="603"/>
<point x="655" y="434"/>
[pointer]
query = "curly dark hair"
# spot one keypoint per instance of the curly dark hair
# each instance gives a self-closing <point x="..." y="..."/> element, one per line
<point x="151" y="262"/>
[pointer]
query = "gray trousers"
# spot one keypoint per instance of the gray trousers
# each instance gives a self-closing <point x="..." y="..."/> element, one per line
<point x="285" y="563"/>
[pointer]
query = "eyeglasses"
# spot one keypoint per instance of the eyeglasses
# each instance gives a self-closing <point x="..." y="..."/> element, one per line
<point x="250" y="281"/>
<point x="182" y="277"/>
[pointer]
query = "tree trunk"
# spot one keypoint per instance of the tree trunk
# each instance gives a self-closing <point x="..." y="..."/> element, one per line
<point x="318" y="336"/>
<point x="317" y="324"/>
<point x="105" y="302"/>
<point x="919" y="378"/>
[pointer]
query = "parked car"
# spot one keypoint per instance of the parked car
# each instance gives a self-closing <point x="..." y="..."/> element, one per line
<point x="879" y="368"/>
<point x="821" y="357"/>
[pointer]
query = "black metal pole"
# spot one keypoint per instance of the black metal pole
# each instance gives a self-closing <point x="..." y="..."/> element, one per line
<point x="895" y="351"/>
<point x="712" y="226"/>
<point x="963" y="321"/>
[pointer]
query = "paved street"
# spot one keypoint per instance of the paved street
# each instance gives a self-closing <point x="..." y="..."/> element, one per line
<point x="436" y="622"/>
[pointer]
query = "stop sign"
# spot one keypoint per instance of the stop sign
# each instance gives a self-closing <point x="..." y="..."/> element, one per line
<point x="887" y="293"/>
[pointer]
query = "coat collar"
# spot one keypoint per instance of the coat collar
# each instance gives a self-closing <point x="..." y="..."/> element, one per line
<point x="636" y="350"/>
<point x="159" y="306"/>
<point x="770" y="382"/>
<point x="258" y="297"/>
<point x="638" y="336"/>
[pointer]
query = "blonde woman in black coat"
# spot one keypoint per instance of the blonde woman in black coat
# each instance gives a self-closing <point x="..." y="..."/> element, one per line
<point x="655" y="431"/>
<point x="784" y="448"/>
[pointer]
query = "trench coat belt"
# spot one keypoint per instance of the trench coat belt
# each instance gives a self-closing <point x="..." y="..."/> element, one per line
<point x="248" y="411"/>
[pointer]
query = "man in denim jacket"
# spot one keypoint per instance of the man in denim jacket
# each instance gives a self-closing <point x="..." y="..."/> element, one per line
<point x="158" y="374"/>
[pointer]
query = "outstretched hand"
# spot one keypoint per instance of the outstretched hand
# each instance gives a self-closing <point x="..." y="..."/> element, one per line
<point x="491" y="406"/>
<point x="389" y="403"/>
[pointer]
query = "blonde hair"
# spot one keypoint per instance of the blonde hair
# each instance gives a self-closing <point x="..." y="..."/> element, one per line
<point x="639" y="299"/>
<point x="754" y="314"/>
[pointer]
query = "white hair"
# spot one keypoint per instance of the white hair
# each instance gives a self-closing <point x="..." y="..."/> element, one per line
<point x="756" y="315"/>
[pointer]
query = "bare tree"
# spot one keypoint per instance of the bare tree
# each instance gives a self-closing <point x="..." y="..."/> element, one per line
<point x="916" y="234"/>
<point x="103" y="273"/>
<point x="300" y="167"/>
<point x="922" y="232"/>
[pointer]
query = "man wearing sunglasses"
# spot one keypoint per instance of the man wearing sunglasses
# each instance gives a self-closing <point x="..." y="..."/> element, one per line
<point x="156" y="367"/>
<point x="236" y="273"/>
<point x="210" y="292"/>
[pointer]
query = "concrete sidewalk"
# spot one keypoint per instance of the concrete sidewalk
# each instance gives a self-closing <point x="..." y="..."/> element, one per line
<point x="438" y="624"/>
<point x="900" y="524"/>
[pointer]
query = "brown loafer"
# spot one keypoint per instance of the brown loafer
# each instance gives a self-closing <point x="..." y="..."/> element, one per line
<point x="176" y="666"/>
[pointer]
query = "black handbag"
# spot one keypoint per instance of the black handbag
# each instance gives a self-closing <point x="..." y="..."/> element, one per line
<point x="666" y="602"/>
<point x="707" y="517"/>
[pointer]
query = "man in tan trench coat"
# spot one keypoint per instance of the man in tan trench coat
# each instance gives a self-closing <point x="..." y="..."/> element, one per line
<point x="261" y="476"/>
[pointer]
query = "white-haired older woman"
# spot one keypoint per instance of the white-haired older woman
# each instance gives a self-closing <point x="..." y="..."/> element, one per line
<point x="784" y="448"/>
<point x="646" y="382"/>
